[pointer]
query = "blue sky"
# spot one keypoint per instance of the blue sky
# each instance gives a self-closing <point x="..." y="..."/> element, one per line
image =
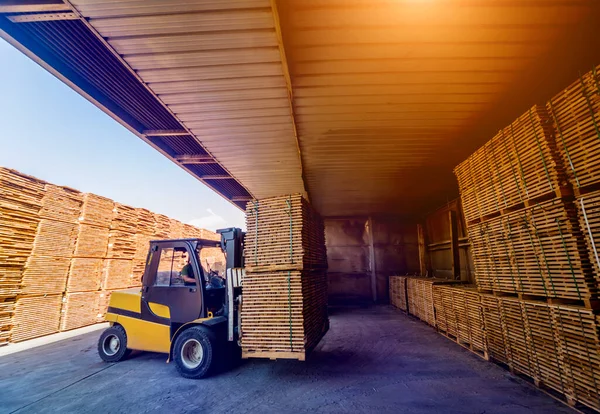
<point x="51" y="132"/>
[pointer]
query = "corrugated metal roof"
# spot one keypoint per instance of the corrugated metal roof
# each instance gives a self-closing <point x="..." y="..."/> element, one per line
<point x="217" y="66"/>
<point x="382" y="94"/>
<point x="380" y="87"/>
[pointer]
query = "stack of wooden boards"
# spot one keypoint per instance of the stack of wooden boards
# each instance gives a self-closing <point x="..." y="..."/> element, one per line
<point x="284" y="309"/>
<point x="398" y="297"/>
<point x="63" y="252"/>
<point x="531" y="198"/>
<point x="556" y="345"/>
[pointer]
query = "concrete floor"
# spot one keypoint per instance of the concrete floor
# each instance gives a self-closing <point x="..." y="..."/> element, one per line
<point x="372" y="360"/>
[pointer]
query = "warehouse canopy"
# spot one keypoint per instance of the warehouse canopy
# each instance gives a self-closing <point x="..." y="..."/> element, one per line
<point x="362" y="105"/>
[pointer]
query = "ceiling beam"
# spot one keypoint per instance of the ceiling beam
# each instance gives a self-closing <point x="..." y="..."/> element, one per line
<point x="45" y="17"/>
<point x="32" y="6"/>
<point x="241" y="199"/>
<point x="216" y="177"/>
<point x="165" y="132"/>
<point x="195" y="159"/>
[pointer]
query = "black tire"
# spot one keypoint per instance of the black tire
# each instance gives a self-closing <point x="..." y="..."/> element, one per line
<point x="112" y="345"/>
<point x="195" y="352"/>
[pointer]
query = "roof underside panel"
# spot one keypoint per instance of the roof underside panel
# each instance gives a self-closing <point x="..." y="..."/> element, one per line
<point x="383" y="88"/>
<point x="217" y="67"/>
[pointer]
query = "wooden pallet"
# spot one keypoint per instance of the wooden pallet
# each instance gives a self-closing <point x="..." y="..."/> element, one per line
<point x="61" y="204"/>
<point x="79" y="309"/>
<point x="284" y="314"/>
<point x="85" y="274"/>
<point x="91" y="241"/>
<point x="96" y="210"/>
<point x="575" y="117"/>
<point x="398" y="292"/>
<point x="538" y="251"/>
<point x="284" y="233"/>
<point x="117" y="274"/>
<point x="518" y="164"/>
<point x="36" y="316"/>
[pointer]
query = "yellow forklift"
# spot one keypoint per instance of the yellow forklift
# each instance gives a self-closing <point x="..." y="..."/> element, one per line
<point x="184" y="309"/>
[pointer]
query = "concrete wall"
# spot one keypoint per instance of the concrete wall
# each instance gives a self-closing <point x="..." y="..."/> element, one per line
<point x="353" y="257"/>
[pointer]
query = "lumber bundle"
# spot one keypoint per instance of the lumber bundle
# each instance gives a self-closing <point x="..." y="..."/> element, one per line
<point x="54" y="238"/>
<point x="124" y="218"/>
<point x="190" y="232"/>
<point x="284" y="233"/>
<point x="79" y="309"/>
<point x="494" y="333"/>
<point x="162" y="226"/>
<point x="398" y="292"/>
<point x="538" y="250"/>
<point x="145" y="222"/>
<point x="459" y="315"/>
<point x="117" y="274"/>
<point x="142" y="244"/>
<point x="284" y="313"/>
<point x="7" y="309"/>
<point x="137" y="273"/>
<point x="36" y="316"/>
<point x="20" y="203"/>
<point x="103" y="301"/>
<point x="420" y="297"/>
<point x="121" y="245"/>
<point x="575" y="116"/>
<point x="97" y="210"/>
<point x="175" y="229"/>
<point x="85" y="274"/>
<point x="45" y="275"/>
<point x="588" y="208"/>
<point x="61" y="204"/>
<point x="516" y="165"/>
<point x="92" y="241"/>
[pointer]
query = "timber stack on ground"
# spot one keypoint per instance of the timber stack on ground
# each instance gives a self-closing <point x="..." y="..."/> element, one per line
<point x="532" y="204"/>
<point x="284" y="311"/>
<point x="62" y="253"/>
<point x="398" y="292"/>
<point x="419" y="292"/>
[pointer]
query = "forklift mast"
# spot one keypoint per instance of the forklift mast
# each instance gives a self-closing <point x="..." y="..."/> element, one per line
<point x="233" y="246"/>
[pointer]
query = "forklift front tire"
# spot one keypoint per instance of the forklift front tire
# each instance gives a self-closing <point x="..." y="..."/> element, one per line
<point x="112" y="345"/>
<point x="194" y="352"/>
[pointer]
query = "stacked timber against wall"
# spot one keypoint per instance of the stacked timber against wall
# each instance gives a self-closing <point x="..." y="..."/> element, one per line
<point x="284" y="309"/>
<point x="531" y="198"/>
<point x="63" y="252"/>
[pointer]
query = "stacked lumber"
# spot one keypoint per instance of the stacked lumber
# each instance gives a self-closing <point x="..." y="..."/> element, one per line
<point x="45" y="275"/>
<point x="117" y="274"/>
<point x="137" y="273"/>
<point x="420" y="297"/>
<point x="79" y="309"/>
<point x="284" y="313"/>
<point x="36" y="316"/>
<point x="20" y="203"/>
<point x="283" y="232"/>
<point x="398" y="292"/>
<point x="61" y="204"/>
<point x="142" y="244"/>
<point x="175" y="229"/>
<point x="7" y="309"/>
<point x="92" y="241"/>
<point x="124" y="218"/>
<point x="494" y="333"/>
<point x="55" y="238"/>
<point x="459" y="315"/>
<point x="97" y="210"/>
<point x="575" y="116"/>
<point x="85" y="275"/>
<point x="518" y="164"/>
<point x="103" y="301"/>
<point x="121" y="245"/>
<point x="537" y="250"/>
<point x="145" y="222"/>
<point x="162" y="226"/>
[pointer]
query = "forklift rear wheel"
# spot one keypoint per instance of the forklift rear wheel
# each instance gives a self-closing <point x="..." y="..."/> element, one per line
<point x="112" y="345"/>
<point x="194" y="352"/>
